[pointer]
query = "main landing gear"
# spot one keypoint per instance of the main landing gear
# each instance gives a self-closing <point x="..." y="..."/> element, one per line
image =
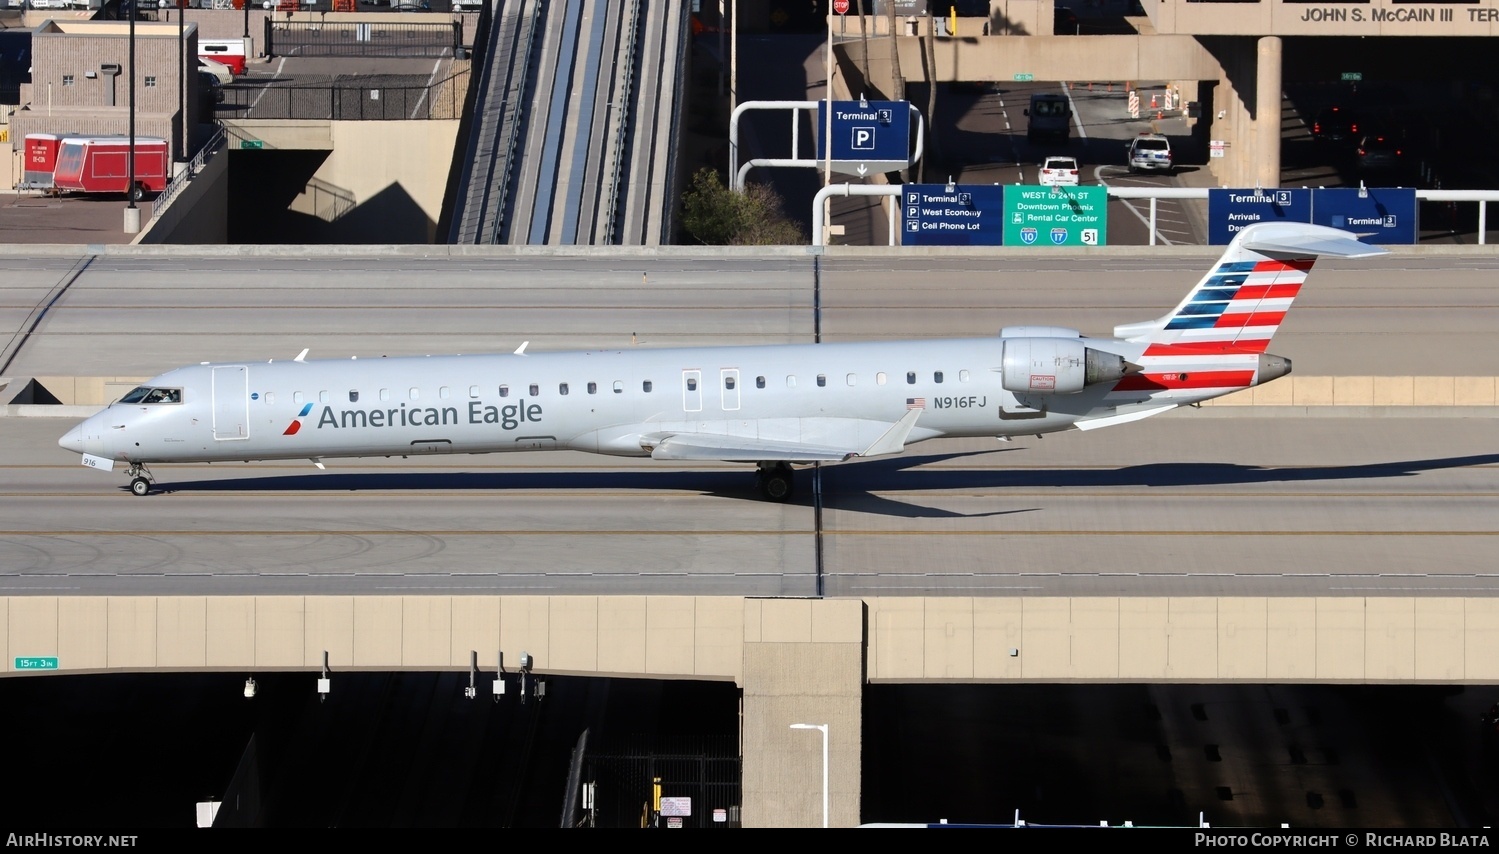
<point x="140" y="479"/>
<point x="774" y="481"/>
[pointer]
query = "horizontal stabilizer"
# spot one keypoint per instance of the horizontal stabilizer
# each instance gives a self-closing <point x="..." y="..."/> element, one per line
<point x="1301" y="239"/>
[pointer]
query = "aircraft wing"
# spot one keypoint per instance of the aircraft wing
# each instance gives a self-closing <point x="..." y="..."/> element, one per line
<point x="727" y="448"/>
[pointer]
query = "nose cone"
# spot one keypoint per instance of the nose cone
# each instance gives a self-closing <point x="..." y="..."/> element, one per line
<point x="73" y="440"/>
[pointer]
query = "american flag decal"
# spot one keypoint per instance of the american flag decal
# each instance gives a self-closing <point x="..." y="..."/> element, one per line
<point x="916" y="403"/>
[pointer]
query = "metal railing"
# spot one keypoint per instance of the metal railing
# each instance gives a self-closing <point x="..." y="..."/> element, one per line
<point x="318" y="38"/>
<point x="348" y="101"/>
<point x="181" y="179"/>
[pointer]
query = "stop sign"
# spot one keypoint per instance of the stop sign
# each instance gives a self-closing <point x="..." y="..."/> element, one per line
<point x="840" y="6"/>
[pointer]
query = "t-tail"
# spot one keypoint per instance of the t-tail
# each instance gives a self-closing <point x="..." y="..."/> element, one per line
<point x="1216" y="341"/>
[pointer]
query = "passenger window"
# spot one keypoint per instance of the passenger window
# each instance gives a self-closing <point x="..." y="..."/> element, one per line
<point x="791" y="381"/>
<point x="879" y="378"/>
<point x="322" y="397"/>
<point x="937" y="377"/>
<point x="353" y="395"/>
<point x="504" y="391"/>
<point x="444" y="392"/>
<point x="473" y="391"/>
<point x="593" y="388"/>
<point x="759" y="382"/>
<point x="270" y="398"/>
<point x="619" y="387"/>
<point x="853" y="379"/>
<point x="962" y="376"/>
<point x="296" y="397"/>
<point x="646" y="386"/>
<point x="535" y="389"/>
<point x="415" y="393"/>
<point x="692" y="383"/>
<point x="562" y="388"/>
<point x="822" y="380"/>
<point x="385" y="394"/>
<point x="910" y="378"/>
<point x="728" y="382"/>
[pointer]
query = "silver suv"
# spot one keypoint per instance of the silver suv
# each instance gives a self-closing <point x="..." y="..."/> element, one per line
<point x="1150" y="152"/>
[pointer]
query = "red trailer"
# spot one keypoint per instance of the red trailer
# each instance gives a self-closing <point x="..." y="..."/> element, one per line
<point x="41" y="160"/>
<point x="101" y="164"/>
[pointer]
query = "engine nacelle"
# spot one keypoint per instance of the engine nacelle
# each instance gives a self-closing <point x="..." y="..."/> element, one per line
<point x="1056" y="366"/>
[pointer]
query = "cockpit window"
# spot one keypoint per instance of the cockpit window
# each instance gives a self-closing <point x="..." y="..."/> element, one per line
<point x="164" y="395"/>
<point x="145" y="394"/>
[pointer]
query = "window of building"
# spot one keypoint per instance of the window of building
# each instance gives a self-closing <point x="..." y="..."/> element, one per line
<point x="150" y="81"/>
<point x="67" y="80"/>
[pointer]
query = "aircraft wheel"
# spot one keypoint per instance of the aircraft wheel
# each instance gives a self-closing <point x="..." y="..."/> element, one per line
<point x="140" y="486"/>
<point x="775" y="484"/>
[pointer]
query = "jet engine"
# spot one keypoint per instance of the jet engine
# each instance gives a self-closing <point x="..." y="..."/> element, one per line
<point x="1057" y="366"/>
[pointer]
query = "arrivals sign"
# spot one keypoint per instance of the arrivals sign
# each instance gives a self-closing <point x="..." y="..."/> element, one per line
<point x="1376" y="214"/>
<point x="1230" y="210"/>
<point x="868" y="136"/>
<point x="1055" y="216"/>
<point x="952" y="214"/>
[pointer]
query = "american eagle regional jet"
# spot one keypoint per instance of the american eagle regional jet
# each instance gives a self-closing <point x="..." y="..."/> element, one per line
<point x="771" y="405"/>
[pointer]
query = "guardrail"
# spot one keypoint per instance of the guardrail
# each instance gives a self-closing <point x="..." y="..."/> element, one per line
<point x="181" y="179"/>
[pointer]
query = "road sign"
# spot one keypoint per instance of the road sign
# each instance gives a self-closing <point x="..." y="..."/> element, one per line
<point x="1056" y="216"/>
<point x="1353" y="76"/>
<point x="1230" y="210"/>
<point x="251" y="143"/>
<point x="1025" y="77"/>
<point x="868" y="136"/>
<point x="840" y="6"/>
<point x="35" y="663"/>
<point x="1376" y="214"/>
<point x="1215" y="148"/>
<point x="952" y="215"/>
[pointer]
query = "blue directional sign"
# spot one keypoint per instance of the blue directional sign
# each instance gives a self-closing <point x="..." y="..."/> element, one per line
<point x="1378" y="214"/>
<point x="952" y="214"/>
<point x="868" y="136"/>
<point x="1230" y="210"/>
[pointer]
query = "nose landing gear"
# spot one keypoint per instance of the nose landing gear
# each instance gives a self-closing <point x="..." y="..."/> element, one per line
<point x="140" y="479"/>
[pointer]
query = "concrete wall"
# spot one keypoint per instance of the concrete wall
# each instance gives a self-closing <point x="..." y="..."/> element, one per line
<point x="198" y="215"/>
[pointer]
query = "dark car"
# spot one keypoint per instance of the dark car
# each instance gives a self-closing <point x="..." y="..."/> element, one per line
<point x="1337" y="125"/>
<point x="1383" y="153"/>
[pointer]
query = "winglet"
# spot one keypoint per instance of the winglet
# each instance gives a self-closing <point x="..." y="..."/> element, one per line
<point x="894" y="440"/>
<point x="302" y="355"/>
<point x="521" y="350"/>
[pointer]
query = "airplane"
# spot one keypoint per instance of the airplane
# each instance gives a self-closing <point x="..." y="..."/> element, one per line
<point x="774" y="406"/>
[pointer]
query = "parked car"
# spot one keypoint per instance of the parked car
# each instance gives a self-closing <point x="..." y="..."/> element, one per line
<point x="1059" y="171"/>
<point x="221" y="72"/>
<point x="1151" y="152"/>
<point x="211" y="89"/>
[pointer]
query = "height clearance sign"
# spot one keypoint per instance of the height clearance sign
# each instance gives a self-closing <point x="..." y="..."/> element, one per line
<point x="1056" y="216"/>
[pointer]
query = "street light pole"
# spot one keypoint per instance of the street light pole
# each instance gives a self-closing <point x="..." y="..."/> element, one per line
<point x="823" y="728"/>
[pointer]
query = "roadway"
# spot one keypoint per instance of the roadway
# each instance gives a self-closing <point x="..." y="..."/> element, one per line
<point x="1201" y="502"/>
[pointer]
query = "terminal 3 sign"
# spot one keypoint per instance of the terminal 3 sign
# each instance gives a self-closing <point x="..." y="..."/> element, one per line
<point x="1377" y="215"/>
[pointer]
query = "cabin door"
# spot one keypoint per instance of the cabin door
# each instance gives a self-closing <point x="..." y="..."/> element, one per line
<point x="231" y="402"/>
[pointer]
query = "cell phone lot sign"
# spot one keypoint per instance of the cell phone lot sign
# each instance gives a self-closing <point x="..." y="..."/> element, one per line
<point x="951" y="214"/>
<point x="1056" y="216"/>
